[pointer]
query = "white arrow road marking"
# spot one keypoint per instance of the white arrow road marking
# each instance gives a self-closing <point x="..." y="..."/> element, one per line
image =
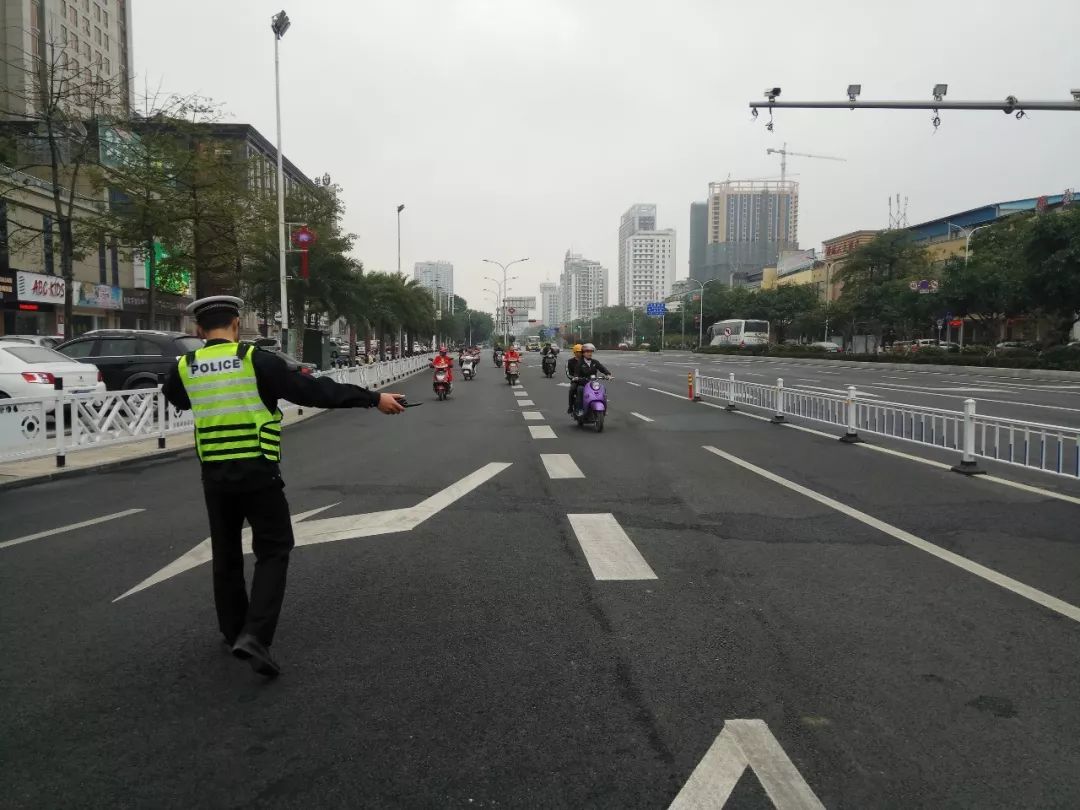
<point x="346" y="527"/>
<point x="561" y="465"/>
<point x="70" y="528"/>
<point x="989" y="574"/>
<point x="745" y="744"/>
<point x="533" y="416"/>
<point x="641" y="417"/>
<point x="542" y="432"/>
<point x="611" y="554"/>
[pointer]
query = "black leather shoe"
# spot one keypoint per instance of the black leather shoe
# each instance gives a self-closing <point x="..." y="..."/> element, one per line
<point x="256" y="653"/>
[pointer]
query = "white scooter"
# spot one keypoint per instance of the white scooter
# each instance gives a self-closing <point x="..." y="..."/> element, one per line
<point x="468" y="367"/>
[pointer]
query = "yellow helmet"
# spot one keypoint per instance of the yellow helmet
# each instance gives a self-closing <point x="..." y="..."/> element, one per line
<point x="577" y="348"/>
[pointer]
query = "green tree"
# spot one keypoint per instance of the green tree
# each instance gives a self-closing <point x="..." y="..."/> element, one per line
<point x="1051" y="255"/>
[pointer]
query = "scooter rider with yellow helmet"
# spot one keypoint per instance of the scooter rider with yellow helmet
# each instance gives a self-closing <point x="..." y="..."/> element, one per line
<point x="571" y="374"/>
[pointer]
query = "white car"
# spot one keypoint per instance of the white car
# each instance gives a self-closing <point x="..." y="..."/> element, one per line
<point x="27" y="370"/>
<point x="825" y="346"/>
<point x="36" y="340"/>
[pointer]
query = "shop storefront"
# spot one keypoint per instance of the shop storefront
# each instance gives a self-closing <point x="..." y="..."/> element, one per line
<point x="168" y="310"/>
<point x="31" y="303"/>
<point x="95" y="306"/>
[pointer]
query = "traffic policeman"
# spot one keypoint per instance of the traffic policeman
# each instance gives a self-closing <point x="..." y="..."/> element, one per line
<point x="233" y="390"/>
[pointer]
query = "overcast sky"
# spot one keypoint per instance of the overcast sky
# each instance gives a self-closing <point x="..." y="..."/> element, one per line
<point x="515" y="128"/>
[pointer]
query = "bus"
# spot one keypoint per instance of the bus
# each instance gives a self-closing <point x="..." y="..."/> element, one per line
<point x="739" y="332"/>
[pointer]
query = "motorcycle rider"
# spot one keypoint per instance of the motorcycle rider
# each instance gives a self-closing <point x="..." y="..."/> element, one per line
<point x="548" y="349"/>
<point x="585" y="368"/>
<point x="511" y="356"/>
<point x="445" y="361"/>
<point x="571" y="375"/>
<point x="496" y="353"/>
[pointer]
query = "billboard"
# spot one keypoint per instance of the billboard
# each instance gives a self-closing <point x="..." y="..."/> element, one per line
<point x="792" y="261"/>
<point x="521" y="303"/>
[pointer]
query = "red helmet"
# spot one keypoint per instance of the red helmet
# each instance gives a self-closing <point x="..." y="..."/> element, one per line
<point x="442" y="350"/>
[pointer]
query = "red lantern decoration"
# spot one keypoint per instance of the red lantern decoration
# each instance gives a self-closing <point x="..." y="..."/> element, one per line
<point x="303" y="238"/>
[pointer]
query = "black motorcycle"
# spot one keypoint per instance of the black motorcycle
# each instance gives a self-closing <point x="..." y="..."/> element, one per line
<point x="548" y="365"/>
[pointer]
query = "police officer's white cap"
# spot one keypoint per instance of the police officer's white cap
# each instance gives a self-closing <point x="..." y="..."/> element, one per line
<point x="214" y="303"/>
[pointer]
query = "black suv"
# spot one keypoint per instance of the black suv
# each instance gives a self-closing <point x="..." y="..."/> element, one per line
<point x="130" y="358"/>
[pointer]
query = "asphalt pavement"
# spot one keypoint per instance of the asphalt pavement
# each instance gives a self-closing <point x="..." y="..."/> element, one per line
<point x="490" y="607"/>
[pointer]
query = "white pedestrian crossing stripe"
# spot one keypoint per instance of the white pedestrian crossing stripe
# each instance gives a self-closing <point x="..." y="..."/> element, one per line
<point x="560" y="465"/>
<point x="610" y="552"/>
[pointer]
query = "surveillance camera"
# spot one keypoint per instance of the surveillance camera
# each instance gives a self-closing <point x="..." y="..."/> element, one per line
<point x="1075" y="94"/>
<point x="771" y="93"/>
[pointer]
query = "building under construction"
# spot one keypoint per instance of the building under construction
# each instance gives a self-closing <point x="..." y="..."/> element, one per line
<point x="742" y="228"/>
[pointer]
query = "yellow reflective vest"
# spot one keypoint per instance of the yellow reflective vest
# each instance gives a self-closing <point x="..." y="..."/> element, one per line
<point x="231" y="420"/>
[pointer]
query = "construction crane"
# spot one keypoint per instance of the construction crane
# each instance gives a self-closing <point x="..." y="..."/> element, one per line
<point x="783" y="153"/>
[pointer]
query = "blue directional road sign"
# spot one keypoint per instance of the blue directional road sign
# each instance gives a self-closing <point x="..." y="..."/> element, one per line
<point x="656" y="309"/>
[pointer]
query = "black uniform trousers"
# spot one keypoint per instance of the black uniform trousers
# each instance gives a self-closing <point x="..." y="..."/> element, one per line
<point x="267" y="512"/>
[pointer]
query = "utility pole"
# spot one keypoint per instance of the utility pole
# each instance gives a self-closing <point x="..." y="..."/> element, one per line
<point x="400" y="208"/>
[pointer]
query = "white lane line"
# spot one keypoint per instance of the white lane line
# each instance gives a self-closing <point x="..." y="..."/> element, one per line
<point x="642" y="418"/>
<point x="560" y="465"/>
<point x="925" y="393"/>
<point x="745" y="744"/>
<point x="533" y="416"/>
<point x="989" y="574"/>
<point x="669" y="393"/>
<point x="842" y="391"/>
<point x="524" y="403"/>
<point x="69" y="528"/>
<point x="542" y="432"/>
<point x="636" y="385"/>
<point x="611" y="554"/>
<point x="564" y="385"/>
<point x="891" y="377"/>
<point x="521" y="393"/>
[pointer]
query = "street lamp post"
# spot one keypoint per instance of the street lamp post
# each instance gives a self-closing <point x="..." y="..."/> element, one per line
<point x="279" y="24"/>
<point x="506" y="330"/>
<point x="701" y="308"/>
<point x="400" y="208"/>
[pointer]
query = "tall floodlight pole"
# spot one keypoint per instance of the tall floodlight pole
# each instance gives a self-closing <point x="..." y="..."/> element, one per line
<point x="400" y="208"/>
<point x="506" y="325"/>
<point x="279" y="24"/>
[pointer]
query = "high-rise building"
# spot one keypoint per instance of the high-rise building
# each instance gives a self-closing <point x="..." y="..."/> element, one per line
<point x="86" y="43"/>
<point x="549" y="304"/>
<point x="435" y="275"/>
<point x="650" y="267"/>
<point x="699" y="237"/>
<point x="638" y="217"/>
<point x="584" y="288"/>
<point x="747" y="224"/>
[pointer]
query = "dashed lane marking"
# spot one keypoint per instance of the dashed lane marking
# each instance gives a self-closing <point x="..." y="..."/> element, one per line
<point x="542" y="432"/>
<point x="560" y="465"/>
<point x="636" y="385"/>
<point x="668" y="393"/>
<point x="610" y="552"/>
<point x="533" y="416"/>
<point x="521" y="393"/>
<point x="524" y="403"/>
<point x="988" y="574"/>
<point x="70" y="528"/>
<point x="641" y="417"/>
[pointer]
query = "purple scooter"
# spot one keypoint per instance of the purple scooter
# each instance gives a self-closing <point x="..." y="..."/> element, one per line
<point x="593" y="404"/>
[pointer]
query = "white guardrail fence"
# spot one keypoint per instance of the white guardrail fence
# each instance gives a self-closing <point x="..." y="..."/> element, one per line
<point x="36" y="427"/>
<point x="1046" y="448"/>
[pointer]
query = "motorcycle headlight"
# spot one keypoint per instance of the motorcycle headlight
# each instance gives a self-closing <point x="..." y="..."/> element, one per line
<point x="595" y="385"/>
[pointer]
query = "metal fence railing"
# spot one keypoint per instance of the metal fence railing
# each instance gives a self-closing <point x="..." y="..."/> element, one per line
<point x="1032" y="445"/>
<point x="62" y="422"/>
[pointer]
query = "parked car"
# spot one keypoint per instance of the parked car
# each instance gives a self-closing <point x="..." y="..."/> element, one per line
<point x="130" y="358"/>
<point x="825" y="346"/>
<point x="27" y="370"/>
<point x="1016" y="347"/>
<point x="296" y="365"/>
<point x="48" y="341"/>
<point x="268" y="343"/>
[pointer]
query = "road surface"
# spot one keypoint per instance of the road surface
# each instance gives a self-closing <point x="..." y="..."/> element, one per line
<point x="689" y="606"/>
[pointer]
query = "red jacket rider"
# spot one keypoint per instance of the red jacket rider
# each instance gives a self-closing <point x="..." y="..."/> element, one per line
<point x="444" y="360"/>
<point x="510" y="356"/>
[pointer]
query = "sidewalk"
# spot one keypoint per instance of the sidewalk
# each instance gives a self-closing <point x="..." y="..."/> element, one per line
<point x="14" y="474"/>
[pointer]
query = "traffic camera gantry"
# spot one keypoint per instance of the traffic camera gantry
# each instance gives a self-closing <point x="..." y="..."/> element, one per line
<point x="1010" y="106"/>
